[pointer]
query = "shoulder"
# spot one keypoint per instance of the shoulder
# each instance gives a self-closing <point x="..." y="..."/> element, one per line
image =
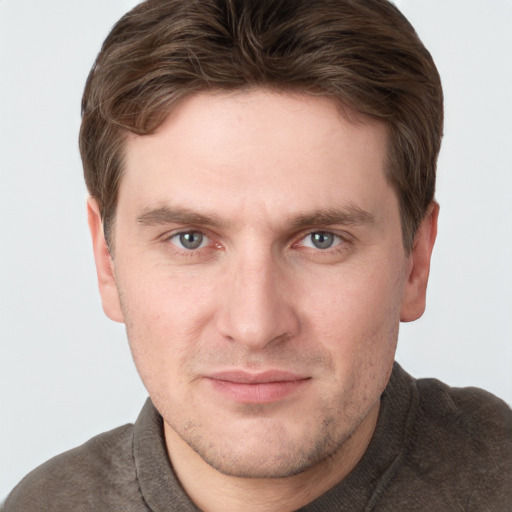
<point x="99" y="475"/>
<point x="461" y="445"/>
<point x="470" y="414"/>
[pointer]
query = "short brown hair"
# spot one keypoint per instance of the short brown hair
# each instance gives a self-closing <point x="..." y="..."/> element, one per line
<point x="363" y="53"/>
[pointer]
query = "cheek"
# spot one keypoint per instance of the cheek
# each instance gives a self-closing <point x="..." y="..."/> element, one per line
<point x="158" y="298"/>
<point x="357" y="325"/>
<point x="356" y="316"/>
<point x="164" y="318"/>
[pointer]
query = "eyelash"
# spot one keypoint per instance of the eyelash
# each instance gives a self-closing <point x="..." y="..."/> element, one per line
<point x="343" y="242"/>
<point x="335" y="243"/>
<point x="189" y="253"/>
<point x="192" y="232"/>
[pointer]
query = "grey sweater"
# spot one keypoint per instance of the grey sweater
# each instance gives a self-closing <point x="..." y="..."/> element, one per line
<point x="435" y="449"/>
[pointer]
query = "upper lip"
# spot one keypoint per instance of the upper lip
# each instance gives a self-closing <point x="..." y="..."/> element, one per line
<point x="248" y="377"/>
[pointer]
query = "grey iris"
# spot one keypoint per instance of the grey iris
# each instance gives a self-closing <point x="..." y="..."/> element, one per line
<point x="322" y="240"/>
<point x="191" y="240"/>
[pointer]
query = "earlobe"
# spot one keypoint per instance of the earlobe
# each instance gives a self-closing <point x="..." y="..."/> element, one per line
<point x="415" y="290"/>
<point x="104" y="264"/>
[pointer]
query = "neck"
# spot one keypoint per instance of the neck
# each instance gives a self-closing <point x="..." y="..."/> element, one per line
<point x="213" y="491"/>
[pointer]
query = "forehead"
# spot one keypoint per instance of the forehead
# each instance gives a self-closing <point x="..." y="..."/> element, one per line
<point x="275" y="150"/>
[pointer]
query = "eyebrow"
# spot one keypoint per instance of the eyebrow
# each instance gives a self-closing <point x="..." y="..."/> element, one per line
<point x="167" y="215"/>
<point x="347" y="216"/>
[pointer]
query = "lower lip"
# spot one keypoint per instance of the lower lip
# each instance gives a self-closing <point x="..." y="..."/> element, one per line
<point x="258" y="393"/>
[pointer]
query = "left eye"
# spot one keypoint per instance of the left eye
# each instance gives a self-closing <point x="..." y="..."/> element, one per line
<point x="321" y="240"/>
<point x="189" y="240"/>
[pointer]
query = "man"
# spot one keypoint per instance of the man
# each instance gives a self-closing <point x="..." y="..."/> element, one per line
<point x="262" y="210"/>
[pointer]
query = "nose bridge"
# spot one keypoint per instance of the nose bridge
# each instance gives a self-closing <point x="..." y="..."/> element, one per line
<point x="255" y="311"/>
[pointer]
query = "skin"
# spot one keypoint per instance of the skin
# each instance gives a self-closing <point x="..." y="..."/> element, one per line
<point x="256" y="179"/>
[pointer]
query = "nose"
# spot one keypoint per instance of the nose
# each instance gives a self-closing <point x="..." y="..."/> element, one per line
<point x="257" y="305"/>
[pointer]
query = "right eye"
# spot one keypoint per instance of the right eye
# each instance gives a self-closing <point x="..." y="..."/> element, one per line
<point x="189" y="240"/>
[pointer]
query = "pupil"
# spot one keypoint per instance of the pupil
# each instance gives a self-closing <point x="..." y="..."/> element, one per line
<point x="322" y="240"/>
<point x="191" y="240"/>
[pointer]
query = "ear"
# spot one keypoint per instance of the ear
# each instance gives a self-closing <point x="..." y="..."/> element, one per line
<point x="104" y="264"/>
<point x="415" y="291"/>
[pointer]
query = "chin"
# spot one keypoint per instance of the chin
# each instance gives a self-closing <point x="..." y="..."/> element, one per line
<point x="268" y="453"/>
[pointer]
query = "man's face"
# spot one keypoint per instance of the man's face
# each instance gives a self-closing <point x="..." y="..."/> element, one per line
<point x="260" y="271"/>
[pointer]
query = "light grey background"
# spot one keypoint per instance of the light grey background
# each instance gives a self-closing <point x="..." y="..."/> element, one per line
<point x="66" y="372"/>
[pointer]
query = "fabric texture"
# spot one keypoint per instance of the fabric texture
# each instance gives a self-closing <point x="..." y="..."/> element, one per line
<point x="435" y="448"/>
